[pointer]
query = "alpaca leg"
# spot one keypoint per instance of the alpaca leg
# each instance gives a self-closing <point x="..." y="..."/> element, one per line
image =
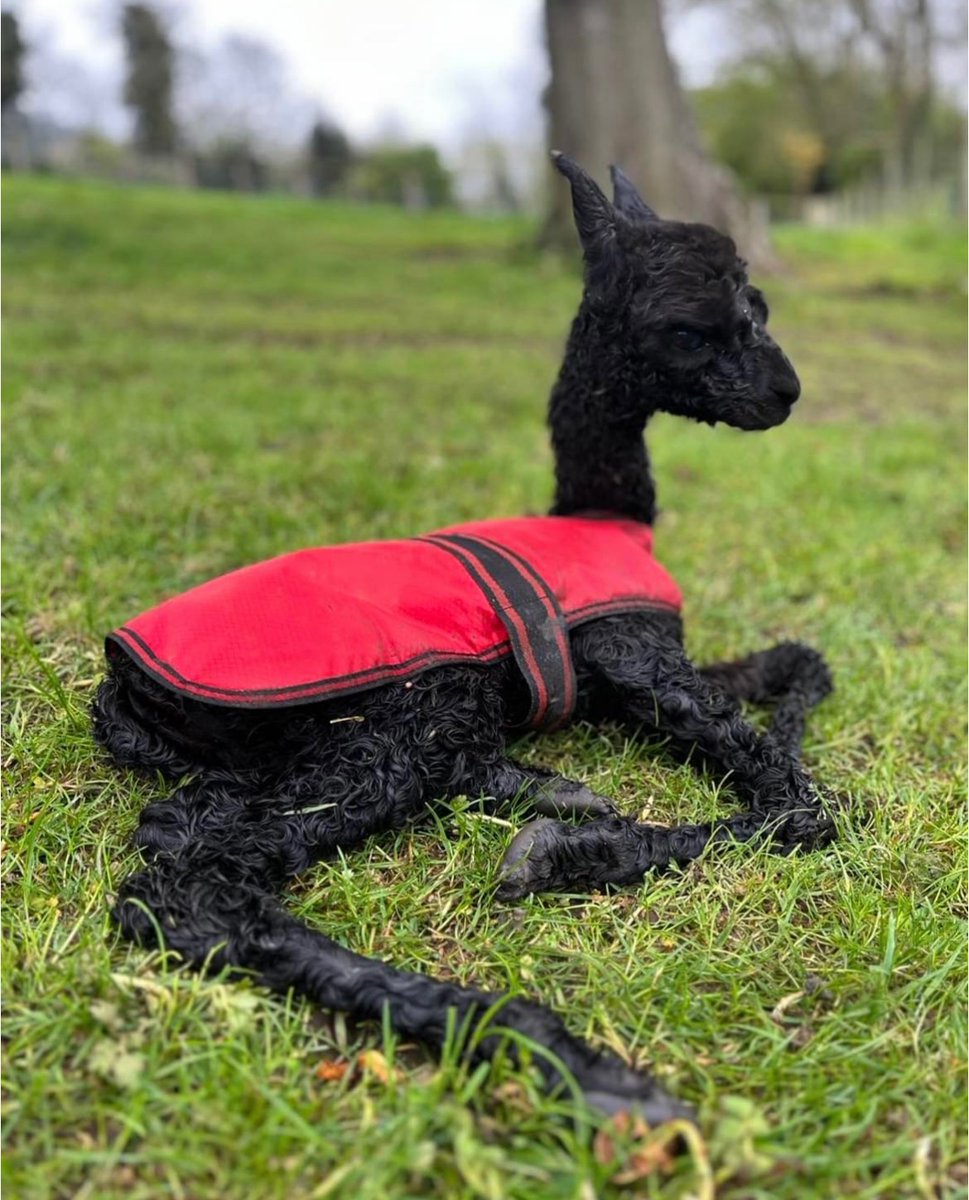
<point x="214" y="902"/>
<point x="792" y="676"/>
<point x="649" y="679"/>
<point x="278" y="831"/>
<point x="504" y="782"/>
<point x="767" y="675"/>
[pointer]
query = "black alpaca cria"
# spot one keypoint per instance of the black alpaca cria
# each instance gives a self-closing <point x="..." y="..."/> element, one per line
<point x="281" y="776"/>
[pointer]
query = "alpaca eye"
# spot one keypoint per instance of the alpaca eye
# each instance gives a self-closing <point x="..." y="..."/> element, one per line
<point x="689" y="340"/>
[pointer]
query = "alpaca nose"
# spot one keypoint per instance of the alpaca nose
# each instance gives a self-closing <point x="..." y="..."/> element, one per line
<point x="785" y="383"/>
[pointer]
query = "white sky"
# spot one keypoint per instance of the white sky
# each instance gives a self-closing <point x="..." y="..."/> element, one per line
<point x="430" y="68"/>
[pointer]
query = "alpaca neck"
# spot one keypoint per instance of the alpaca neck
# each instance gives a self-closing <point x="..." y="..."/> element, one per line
<point x="597" y="417"/>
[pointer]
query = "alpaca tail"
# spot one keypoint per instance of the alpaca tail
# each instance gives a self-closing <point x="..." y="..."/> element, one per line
<point x="130" y="740"/>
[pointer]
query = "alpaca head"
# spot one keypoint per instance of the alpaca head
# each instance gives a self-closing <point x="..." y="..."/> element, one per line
<point x="674" y="313"/>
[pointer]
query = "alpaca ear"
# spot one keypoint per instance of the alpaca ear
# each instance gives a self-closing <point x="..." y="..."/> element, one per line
<point x="595" y="218"/>
<point x="626" y="199"/>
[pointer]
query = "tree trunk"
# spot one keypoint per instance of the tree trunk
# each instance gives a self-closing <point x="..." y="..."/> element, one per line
<point x="614" y="97"/>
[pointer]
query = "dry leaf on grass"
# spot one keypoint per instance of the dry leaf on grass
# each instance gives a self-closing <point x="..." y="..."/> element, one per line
<point x="330" y="1071"/>
<point x="374" y="1062"/>
<point x="651" y="1151"/>
<point x="367" y="1062"/>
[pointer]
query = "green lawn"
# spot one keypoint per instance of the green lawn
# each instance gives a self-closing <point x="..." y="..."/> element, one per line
<point x="194" y="382"/>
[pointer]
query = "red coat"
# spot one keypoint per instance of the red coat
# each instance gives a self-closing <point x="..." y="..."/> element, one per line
<point x="334" y="620"/>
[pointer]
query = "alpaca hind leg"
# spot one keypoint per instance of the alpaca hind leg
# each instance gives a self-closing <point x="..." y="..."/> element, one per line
<point x="278" y="830"/>
<point x="215" y="905"/>
<point x="223" y="850"/>
<point x="791" y="676"/>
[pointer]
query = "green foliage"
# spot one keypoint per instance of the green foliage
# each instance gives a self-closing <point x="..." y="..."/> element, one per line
<point x="149" y="79"/>
<point x="411" y="176"/>
<point x="100" y="155"/>
<point x="757" y="122"/>
<point x="195" y="381"/>
<point x="825" y="128"/>
<point x="745" y="121"/>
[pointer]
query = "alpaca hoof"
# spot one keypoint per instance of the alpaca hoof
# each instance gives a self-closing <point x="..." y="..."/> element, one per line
<point x="611" y="1086"/>
<point x="523" y="868"/>
<point x="567" y="798"/>
<point x="656" y="1109"/>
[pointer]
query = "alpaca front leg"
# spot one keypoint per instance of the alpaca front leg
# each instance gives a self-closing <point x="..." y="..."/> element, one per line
<point x="649" y="680"/>
<point x="505" y="782"/>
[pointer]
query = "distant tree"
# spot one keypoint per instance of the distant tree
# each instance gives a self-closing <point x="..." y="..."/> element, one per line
<point x="239" y="90"/>
<point x="841" y="56"/>
<point x="150" y="79"/>
<point x="13" y="49"/>
<point x="761" y="127"/>
<point x="329" y="158"/>
<point x="614" y="96"/>
<point x="231" y="164"/>
<point x="903" y="38"/>
<point x="411" y="176"/>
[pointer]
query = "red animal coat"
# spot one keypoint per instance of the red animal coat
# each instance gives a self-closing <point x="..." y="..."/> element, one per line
<point x="333" y="620"/>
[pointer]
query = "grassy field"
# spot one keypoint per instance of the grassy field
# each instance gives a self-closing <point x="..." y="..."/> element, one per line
<point x="194" y="382"/>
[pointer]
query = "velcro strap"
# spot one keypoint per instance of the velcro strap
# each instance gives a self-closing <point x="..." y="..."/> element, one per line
<point x="528" y="609"/>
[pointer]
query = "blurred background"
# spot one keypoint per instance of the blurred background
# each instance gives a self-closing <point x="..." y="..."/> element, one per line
<point x="737" y="111"/>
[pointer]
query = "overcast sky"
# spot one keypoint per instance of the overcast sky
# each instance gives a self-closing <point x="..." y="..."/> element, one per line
<point x="430" y="68"/>
<point x="426" y="69"/>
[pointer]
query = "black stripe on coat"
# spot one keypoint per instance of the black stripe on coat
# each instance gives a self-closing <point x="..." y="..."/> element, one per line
<point x="528" y="609"/>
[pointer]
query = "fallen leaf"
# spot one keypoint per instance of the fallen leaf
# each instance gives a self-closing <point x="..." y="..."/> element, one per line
<point x="655" y="1156"/>
<point x="331" y="1072"/>
<point x="374" y="1062"/>
<point x="367" y="1062"/>
<point x="603" y="1147"/>
<point x="651" y="1151"/>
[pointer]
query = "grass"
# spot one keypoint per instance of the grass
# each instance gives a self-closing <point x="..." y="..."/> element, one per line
<point x="198" y="381"/>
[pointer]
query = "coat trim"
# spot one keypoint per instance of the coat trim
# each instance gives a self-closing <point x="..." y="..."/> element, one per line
<point x="370" y="614"/>
<point x="127" y="641"/>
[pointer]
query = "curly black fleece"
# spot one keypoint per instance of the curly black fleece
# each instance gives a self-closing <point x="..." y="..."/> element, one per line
<point x="667" y="321"/>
